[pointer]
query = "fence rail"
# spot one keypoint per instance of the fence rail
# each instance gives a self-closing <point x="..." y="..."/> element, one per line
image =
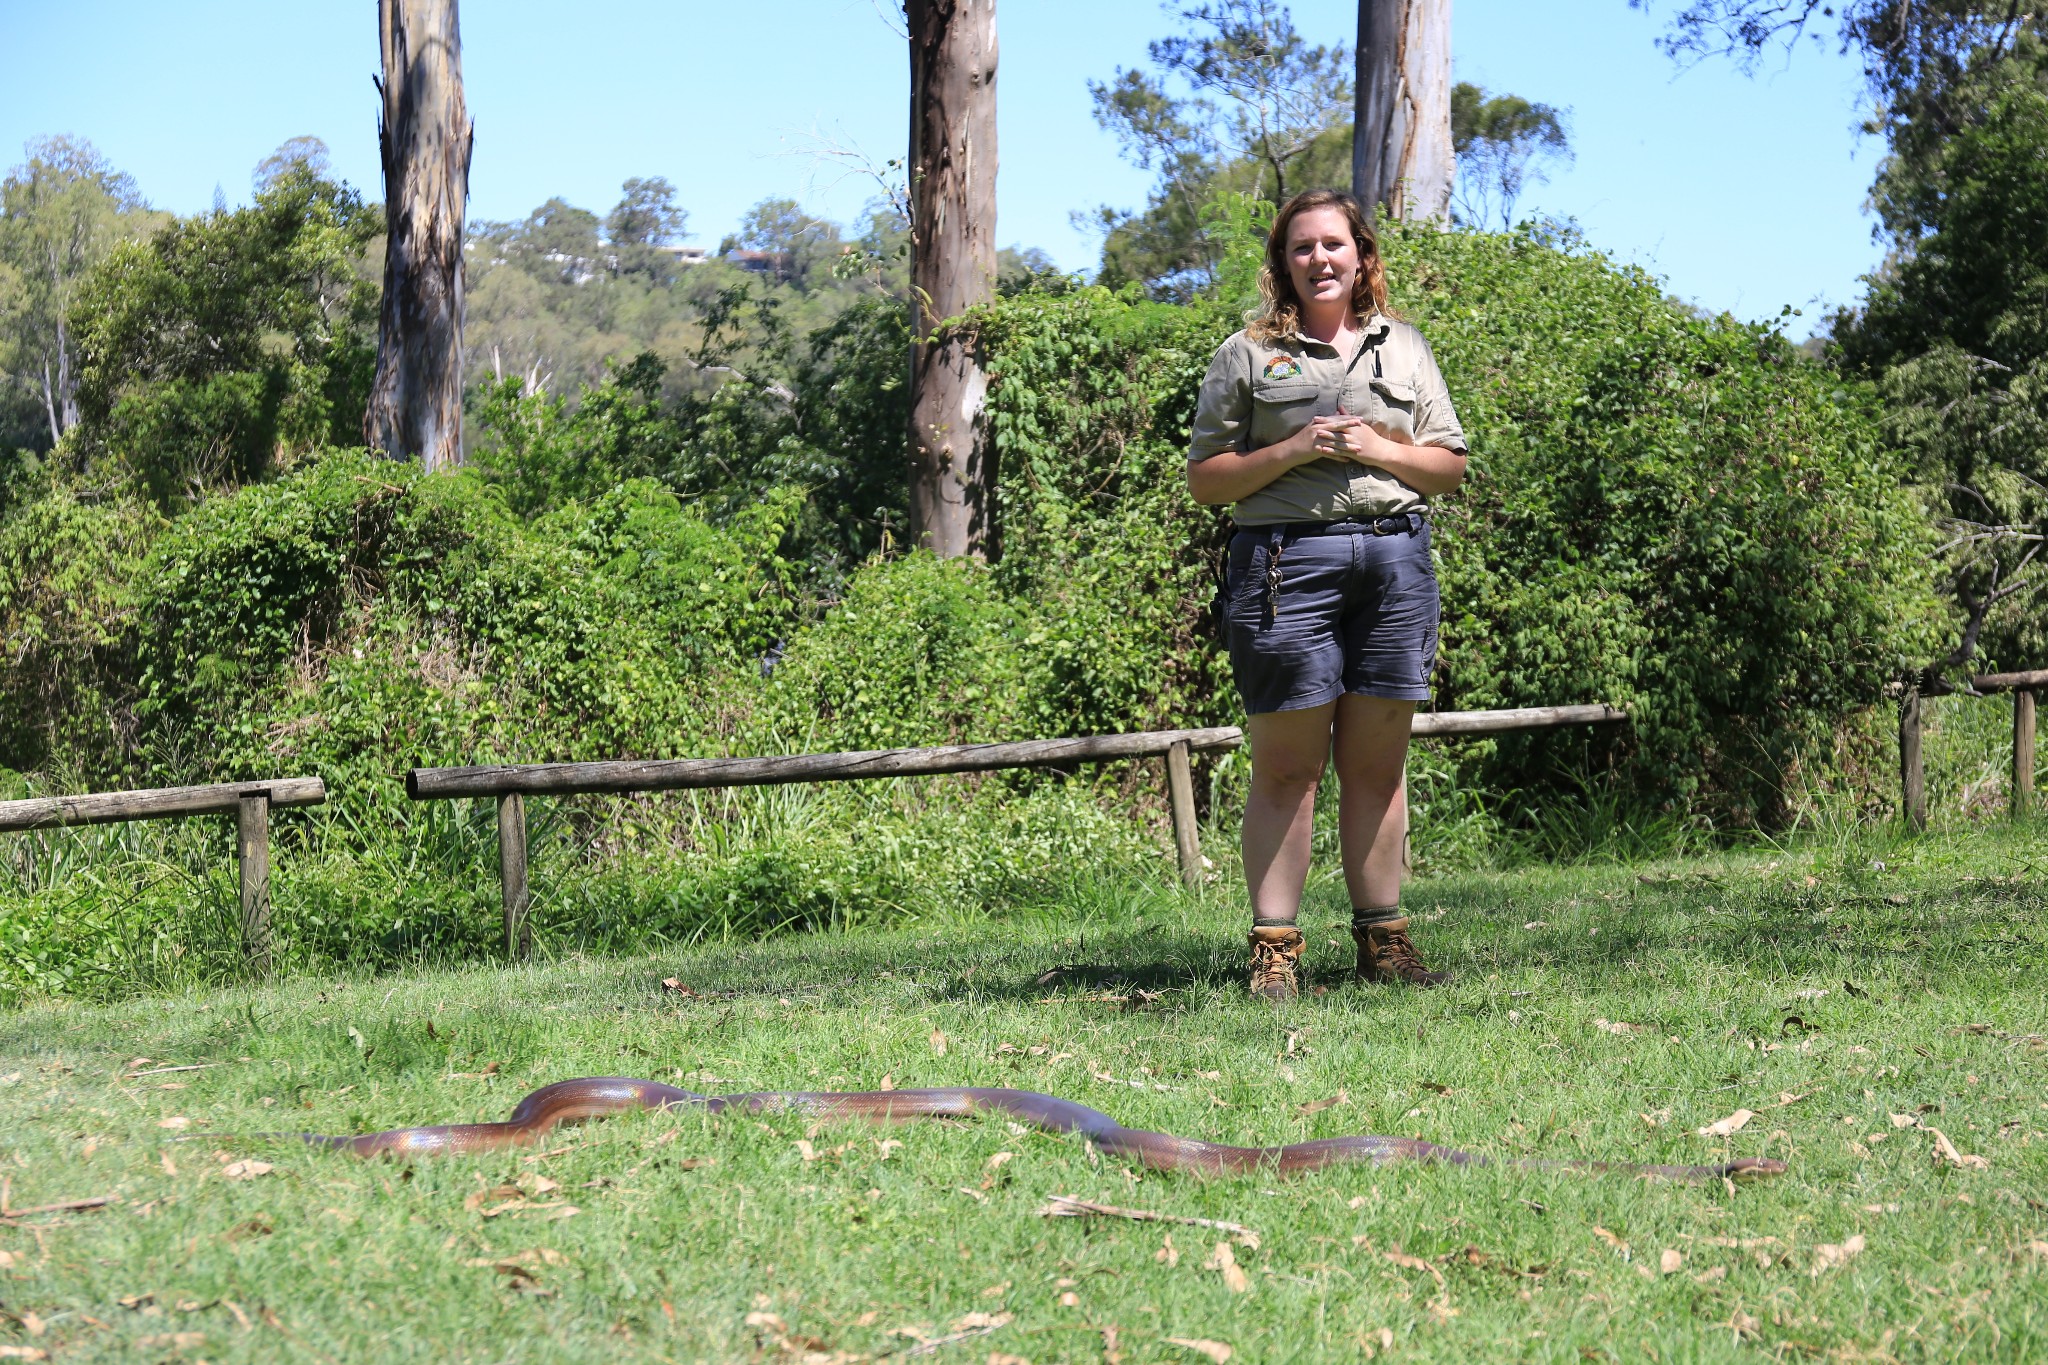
<point x="249" y="802"/>
<point x="1912" y="766"/>
<point x="512" y="783"/>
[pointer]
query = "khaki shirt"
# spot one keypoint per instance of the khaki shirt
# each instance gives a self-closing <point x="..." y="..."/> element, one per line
<point x="1258" y="394"/>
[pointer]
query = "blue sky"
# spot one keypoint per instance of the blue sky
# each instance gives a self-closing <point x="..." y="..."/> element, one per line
<point x="1744" y="192"/>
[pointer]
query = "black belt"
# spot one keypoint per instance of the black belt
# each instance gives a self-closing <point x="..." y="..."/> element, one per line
<point x="1401" y="523"/>
<point x="1280" y="534"/>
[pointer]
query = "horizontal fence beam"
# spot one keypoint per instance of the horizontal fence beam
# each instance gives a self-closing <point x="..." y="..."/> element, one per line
<point x="2033" y="681"/>
<point x="637" y="775"/>
<point x="157" y="803"/>
<point x="1514" y="719"/>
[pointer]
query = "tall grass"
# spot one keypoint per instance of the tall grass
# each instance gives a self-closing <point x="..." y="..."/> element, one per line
<point x="122" y="909"/>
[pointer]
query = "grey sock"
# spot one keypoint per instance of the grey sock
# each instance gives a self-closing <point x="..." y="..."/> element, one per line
<point x="1365" y="917"/>
<point x="1271" y="922"/>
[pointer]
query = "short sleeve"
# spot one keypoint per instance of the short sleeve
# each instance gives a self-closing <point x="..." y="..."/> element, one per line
<point x="1436" y="422"/>
<point x="1223" y="415"/>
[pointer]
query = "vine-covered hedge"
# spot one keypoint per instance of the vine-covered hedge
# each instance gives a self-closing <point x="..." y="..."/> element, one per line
<point x="1680" y="515"/>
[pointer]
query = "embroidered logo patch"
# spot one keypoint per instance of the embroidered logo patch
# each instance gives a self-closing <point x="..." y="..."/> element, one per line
<point x="1282" y="367"/>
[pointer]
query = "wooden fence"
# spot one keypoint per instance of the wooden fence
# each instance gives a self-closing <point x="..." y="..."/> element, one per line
<point x="1913" y="770"/>
<point x="511" y="784"/>
<point x="252" y="802"/>
<point x="249" y="802"/>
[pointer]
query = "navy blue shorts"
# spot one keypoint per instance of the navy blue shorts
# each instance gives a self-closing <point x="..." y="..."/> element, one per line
<point x="1355" y="613"/>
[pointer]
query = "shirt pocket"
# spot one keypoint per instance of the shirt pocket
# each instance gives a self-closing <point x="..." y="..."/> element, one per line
<point x="1281" y="408"/>
<point x="1397" y="404"/>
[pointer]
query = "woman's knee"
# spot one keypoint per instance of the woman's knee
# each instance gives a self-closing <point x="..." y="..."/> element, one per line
<point x="1288" y="776"/>
<point x="1369" y="790"/>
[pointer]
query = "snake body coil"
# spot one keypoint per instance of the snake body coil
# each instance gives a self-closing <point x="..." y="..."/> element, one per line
<point x="601" y="1096"/>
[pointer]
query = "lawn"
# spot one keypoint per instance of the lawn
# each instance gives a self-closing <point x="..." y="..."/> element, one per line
<point x="1856" y="997"/>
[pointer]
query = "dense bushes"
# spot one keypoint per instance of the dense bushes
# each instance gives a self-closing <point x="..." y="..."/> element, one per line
<point x="1680" y="515"/>
<point x="227" y="341"/>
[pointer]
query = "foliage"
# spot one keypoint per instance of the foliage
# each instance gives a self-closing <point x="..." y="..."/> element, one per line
<point x="646" y="215"/>
<point x="1654" y="497"/>
<point x="1910" y="52"/>
<point x="230" y="342"/>
<point x="556" y="299"/>
<point x="1952" y="328"/>
<point x="1238" y="101"/>
<point x="1955" y="327"/>
<point x="69" y="572"/>
<point x="824" y="414"/>
<point x="61" y="211"/>
<point x="694" y="555"/>
<point x="1501" y="142"/>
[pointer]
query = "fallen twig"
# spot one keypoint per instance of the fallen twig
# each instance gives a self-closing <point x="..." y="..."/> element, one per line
<point x="1072" y="1206"/>
<point x="167" y="1070"/>
<point x="925" y="1348"/>
<point x="98" y="1201"/>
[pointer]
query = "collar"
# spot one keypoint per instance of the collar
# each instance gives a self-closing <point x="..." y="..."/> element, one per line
<point x="1371" y="332"/>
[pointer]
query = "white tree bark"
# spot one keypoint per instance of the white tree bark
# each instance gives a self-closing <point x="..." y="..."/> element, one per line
<point x="952" y="268"/>
<point x="425" y="135"/>
<point x="1401" y="153"/>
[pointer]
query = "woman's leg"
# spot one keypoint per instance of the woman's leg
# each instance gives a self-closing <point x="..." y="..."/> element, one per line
<point x="1372" y="820"/>
<point x="1289" y="749"/>
<point x="1289" y="752"/>
<point x="1372" y="809"/>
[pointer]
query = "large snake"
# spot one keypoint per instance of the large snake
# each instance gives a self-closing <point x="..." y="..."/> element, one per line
<point x="601" y="1096"/>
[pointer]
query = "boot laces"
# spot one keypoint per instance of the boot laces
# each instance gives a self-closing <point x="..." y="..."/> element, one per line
<point x="1271" y="962"/>
<point x="1397" y="952"/>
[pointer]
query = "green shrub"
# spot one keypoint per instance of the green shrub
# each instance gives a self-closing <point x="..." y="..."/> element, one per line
<point x="1679" y="515"/>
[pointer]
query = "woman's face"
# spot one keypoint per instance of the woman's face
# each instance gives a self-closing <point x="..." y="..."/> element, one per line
<point x="1322" y="256"/>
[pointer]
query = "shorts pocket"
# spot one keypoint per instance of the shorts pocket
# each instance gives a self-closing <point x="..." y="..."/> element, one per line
<point x="1247" y="569"/>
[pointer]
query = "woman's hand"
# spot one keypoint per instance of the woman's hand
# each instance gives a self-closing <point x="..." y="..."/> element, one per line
<point x="1343" y="437"/>
<point x="1232" y="477"/>
<point x="1429" y="470"/>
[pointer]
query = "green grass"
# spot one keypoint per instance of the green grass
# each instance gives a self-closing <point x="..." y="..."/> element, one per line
<point x="685" y="1226"/>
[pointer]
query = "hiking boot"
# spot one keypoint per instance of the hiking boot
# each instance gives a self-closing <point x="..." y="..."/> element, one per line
<point x="1386" y="954"/>
<point x="1276" y="961"/>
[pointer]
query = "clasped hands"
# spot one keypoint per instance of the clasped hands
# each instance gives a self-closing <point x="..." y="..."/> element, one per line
<point x="1343" y="437"/>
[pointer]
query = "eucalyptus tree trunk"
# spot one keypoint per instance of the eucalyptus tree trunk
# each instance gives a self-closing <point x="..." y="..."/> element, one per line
<point x="952" y="268"/>
<point x="425" y="136"/>
<point x="1401" y="152"/>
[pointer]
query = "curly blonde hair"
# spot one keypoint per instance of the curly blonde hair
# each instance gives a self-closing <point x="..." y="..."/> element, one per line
<point x="1280" y="318"/>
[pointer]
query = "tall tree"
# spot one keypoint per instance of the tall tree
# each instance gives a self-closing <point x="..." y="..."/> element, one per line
<point x="230" y="341"/>
<point x="424" y="134"/>
<point x="952" y="268"/>
<point x="1501" y="141"/>
<point x="1954" y="326"/>
<point x="61" y="211"/>
<point x="1402" y="154"/>
<point x="1237" y="101"/>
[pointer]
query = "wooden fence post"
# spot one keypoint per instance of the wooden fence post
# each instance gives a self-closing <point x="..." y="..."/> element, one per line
<point x="1912" y="772"/>
<point x="252" y="851"/>
<point x="1180" y="790"/>
<point x="2022" y="751"/>
<point x="512" y="874"/>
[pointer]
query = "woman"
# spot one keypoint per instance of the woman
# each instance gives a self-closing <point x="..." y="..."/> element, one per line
<point x="1326" y="422"/>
